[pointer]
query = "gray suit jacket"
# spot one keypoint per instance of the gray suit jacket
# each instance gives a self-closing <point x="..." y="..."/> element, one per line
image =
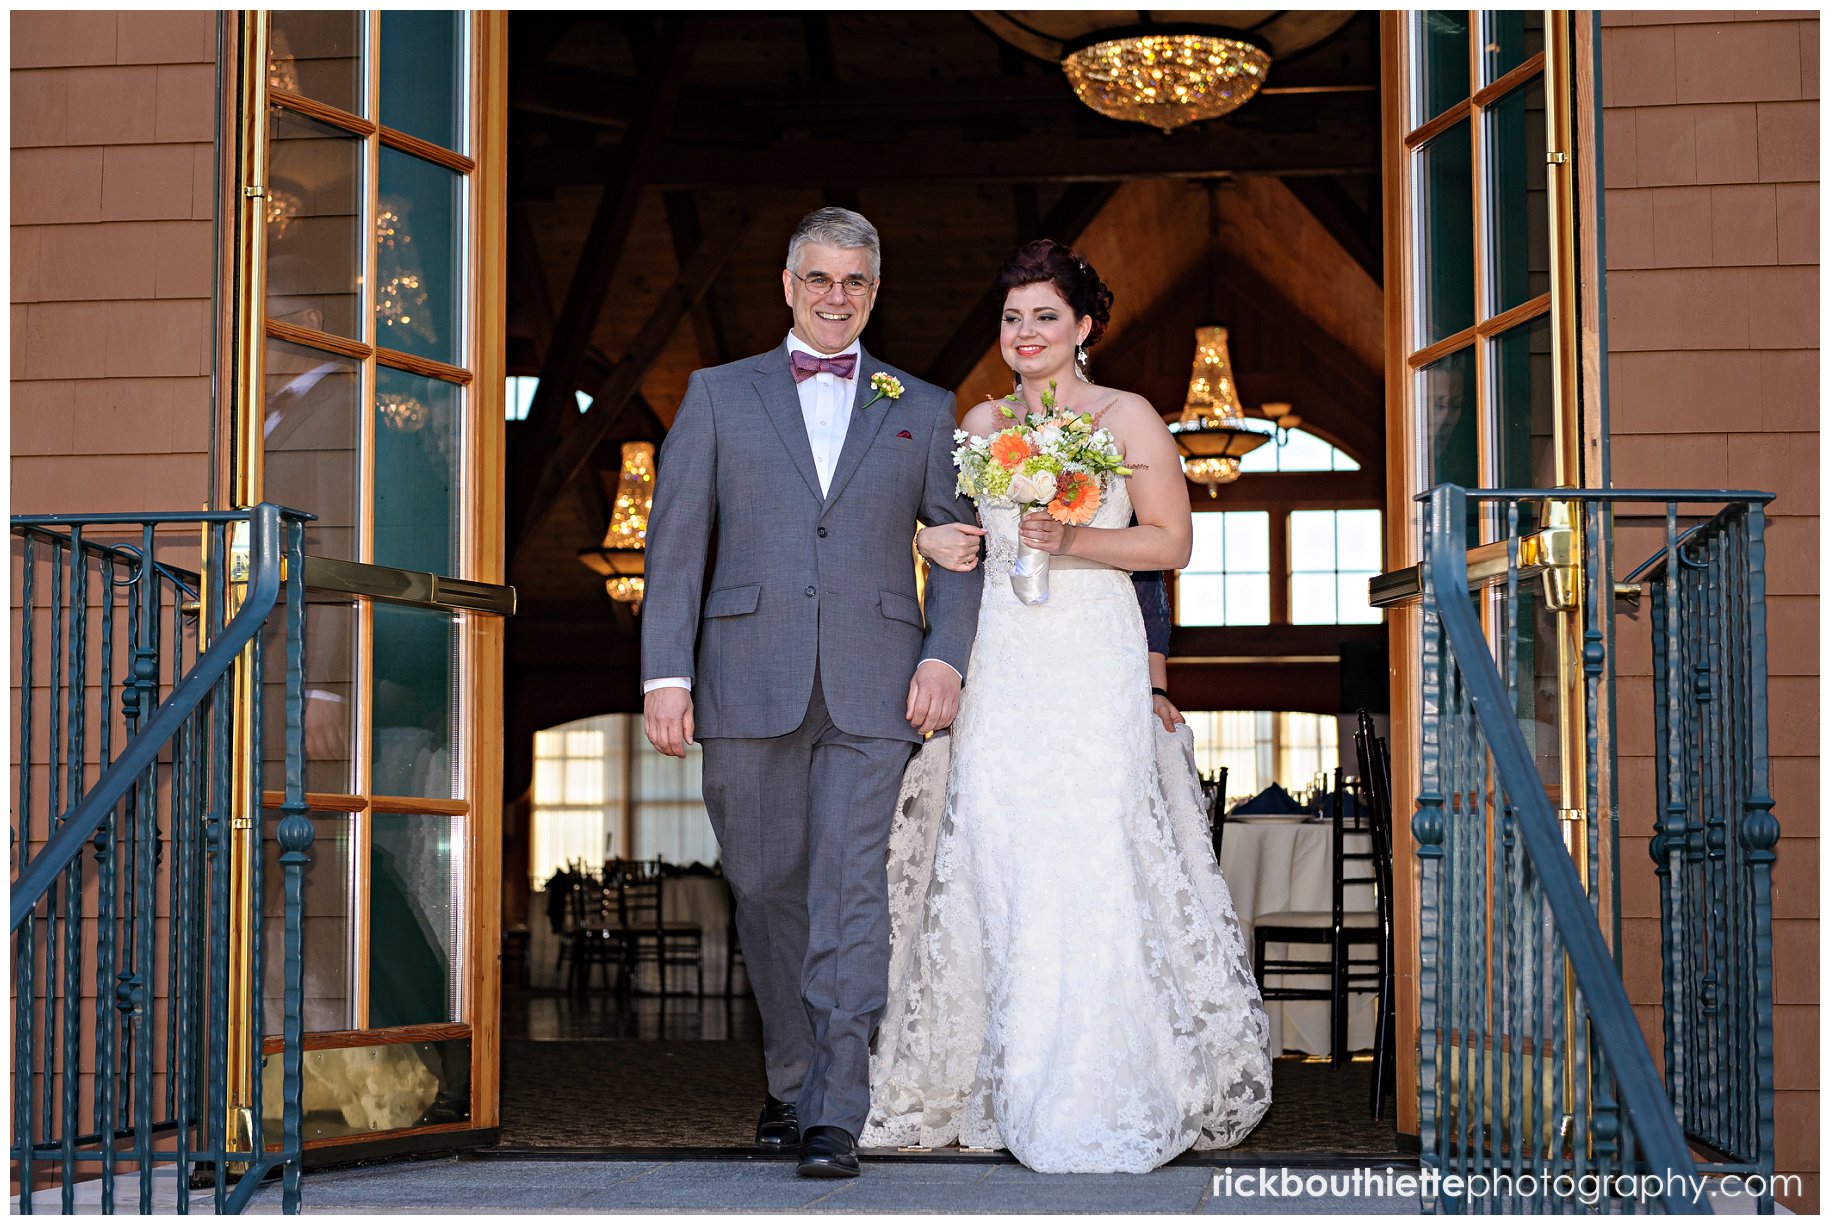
<point x="801" y="577"/>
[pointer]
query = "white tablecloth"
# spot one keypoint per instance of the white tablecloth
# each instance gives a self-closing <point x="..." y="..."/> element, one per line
<point x="1274" y="864"/>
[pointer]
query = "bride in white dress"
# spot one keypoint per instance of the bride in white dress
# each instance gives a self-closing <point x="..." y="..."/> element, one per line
<point x="1067" y="978"/>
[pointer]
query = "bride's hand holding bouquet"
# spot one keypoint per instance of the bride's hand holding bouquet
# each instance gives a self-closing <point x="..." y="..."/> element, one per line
<point x="1053" y="467"/>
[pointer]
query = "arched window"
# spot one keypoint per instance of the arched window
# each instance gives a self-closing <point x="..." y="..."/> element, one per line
<point x="1300" y="451"/>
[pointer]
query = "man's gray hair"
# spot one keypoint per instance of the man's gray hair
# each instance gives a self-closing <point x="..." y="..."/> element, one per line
<point x="836" y="227"/>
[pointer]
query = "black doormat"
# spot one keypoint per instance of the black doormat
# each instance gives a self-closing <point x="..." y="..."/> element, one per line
<point x="652" y="1095"/>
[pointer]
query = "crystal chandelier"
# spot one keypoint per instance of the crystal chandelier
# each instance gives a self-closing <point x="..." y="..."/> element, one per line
<point x="620" y="557"/>
<point x="1166" y="77"/>
<point x="1211" y="434"/>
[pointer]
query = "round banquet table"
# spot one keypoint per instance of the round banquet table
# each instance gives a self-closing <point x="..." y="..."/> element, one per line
<point x="1277" y="863"/>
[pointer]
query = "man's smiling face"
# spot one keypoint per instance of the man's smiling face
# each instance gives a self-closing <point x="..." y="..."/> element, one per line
<point x="830" y="321"/>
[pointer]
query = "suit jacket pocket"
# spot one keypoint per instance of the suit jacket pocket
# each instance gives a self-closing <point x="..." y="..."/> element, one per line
<point x="733" y="601"/>
<point x="898" y="607"/>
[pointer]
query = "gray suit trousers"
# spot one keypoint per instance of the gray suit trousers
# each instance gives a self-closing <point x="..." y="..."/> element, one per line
<point x="804" y="824"/>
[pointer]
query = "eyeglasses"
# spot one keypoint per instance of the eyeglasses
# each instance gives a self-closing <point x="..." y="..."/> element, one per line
<point x="855" y="286"/>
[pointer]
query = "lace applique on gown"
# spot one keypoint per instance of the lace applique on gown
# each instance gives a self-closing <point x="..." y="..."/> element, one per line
<point x="1068" y="979"/>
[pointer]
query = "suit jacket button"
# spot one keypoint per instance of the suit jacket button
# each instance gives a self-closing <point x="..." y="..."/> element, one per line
<point x="810" y="591"/>
<point x="822" y="533"/>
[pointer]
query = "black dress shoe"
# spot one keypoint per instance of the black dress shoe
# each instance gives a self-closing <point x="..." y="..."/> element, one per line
<point x="828" y="1152"/>
<point x="779" y="1128"/>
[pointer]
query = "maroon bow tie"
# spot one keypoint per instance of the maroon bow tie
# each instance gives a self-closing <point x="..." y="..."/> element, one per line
<point x="806" y="365"/>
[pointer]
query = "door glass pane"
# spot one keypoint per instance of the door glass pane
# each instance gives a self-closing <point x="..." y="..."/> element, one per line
<point x="1532" y="679"/>
<point x="422" y="89"/>
<point x="1519" y="197"/>
<point x="416" y="258"/>
<point x="1450" y="423"/>
<point x="416" y="918"/>
<point x="1526" y="441"/>
<point x="326" y="925"/>
<point x="415" y="703"/>
<point x="330" y="670"/>
<point x="318" y="54"/>
<point x="1443" y="38"/>
<point x="1445" y="238"/>
<point x="1513" y="36"/>
<point x="309" y="421"/>
<point x="421" y="1084"/>
<point x="314" y="214"/>
<point x="416" y="471"/>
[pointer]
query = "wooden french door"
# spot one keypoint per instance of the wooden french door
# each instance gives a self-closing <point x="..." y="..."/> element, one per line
<point x="368" y="391"/>
<point x="1492" y="359"/>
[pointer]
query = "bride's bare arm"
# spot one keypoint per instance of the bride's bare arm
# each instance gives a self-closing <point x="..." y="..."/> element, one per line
<point x="1164" y="533"/>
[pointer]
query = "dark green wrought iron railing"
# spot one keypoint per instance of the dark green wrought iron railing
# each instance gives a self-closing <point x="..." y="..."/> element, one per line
<point x="121" y="838"/>
<point x="1716" y="833"/>
<point x="1535" y="1077"/>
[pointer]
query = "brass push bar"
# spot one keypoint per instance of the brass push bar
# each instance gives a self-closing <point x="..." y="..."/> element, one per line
<point x="412" y="587"/>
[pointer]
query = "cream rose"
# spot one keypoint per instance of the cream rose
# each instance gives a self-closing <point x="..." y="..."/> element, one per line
<point x="1025" y="487"/>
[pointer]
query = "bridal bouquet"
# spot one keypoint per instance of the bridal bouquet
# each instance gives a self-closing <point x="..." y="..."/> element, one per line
<point x="1055" y="460"/>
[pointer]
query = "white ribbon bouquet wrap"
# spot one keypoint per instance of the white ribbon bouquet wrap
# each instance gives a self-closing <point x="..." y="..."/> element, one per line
<point x="1029" y="572"/>
<point x="1056" y="461"/>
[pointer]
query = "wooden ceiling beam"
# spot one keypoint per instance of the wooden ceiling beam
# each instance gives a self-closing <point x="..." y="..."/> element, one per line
<point x="528" y="274"/>
<point x="557" y="469"/>
<point x="711" y="325"/>
<point x="608" y="101"/>
<point x="625" y="172"/>
<point x="930" y="158"/>
<point x="1065" y="222"/>
<point x="1359" y="235"/>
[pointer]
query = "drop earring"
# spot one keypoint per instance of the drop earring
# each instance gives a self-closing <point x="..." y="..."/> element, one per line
<point x="1080" y="363"/>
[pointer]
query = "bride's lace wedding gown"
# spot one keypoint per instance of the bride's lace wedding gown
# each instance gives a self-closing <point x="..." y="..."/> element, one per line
<point x="1067" y="977"/>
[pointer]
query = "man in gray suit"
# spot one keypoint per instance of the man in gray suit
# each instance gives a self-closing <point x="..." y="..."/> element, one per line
<point x="815" y="673"/>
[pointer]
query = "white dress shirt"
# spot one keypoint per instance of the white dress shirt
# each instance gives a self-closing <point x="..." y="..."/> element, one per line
<point x="826" y="404"/>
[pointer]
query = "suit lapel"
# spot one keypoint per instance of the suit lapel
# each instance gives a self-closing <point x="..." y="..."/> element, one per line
<point x="775" y="383"/>
<point x="862" y="429"/>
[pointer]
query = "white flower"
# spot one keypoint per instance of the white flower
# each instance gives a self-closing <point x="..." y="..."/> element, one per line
<point x="1039" y="487"/>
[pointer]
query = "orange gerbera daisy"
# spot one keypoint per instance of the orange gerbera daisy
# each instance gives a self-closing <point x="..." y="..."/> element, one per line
<point x="1010" y="450"/>
<point x="1076" y="499"/>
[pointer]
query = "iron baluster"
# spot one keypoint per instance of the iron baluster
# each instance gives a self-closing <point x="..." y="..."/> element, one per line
<point x="295" y="839"/>
<point x="73" y="879"/>
<point x="216" y="1109"/>
<point x="1760" y="835"/>
<point x="25" y="1005"/>
<point x="1428" y="827"/>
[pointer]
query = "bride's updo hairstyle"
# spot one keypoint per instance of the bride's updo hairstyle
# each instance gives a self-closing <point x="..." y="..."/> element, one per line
<point x="1073" y="278"/>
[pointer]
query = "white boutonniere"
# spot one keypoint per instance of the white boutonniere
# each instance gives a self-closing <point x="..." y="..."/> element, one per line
<point x="887" y="387"/>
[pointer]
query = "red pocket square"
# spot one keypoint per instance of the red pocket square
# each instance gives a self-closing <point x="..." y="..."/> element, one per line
<point x="905" y="434"/>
